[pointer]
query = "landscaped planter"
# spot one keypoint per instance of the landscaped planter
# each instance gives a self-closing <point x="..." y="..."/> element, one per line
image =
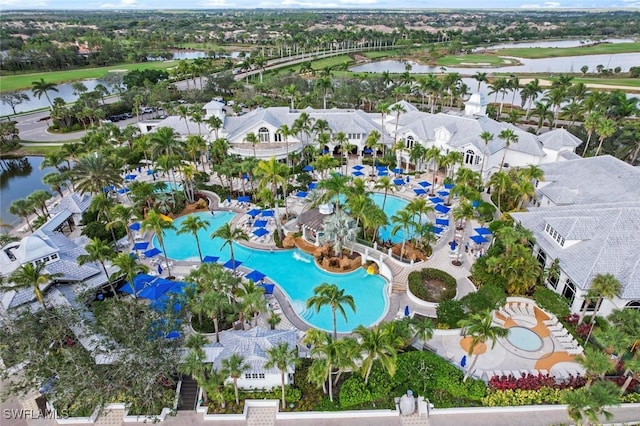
<point x="61" y="420"/>
<point x="424" y="303"/>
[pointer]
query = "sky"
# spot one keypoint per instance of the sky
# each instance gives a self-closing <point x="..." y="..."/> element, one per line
<point x="318" y="4"/>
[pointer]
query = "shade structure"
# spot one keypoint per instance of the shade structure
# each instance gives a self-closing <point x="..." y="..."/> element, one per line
<point x="424" y="184"/>
<point x="436" y="229"/>
<point x="441" y="208"/>
<point x="267" y="213"/>
<point x="367" y="151"/>
<point x="156" y="289"/>
<point x="259" y="223"/>
<point x="140" y="281"/>
<point x="135" y="226"/>
<point x="123" y="190"/>
<point x="141" y="245"/>
<point x="313" y="185"/>
<point x="255" y="276"/>
<point x="443" y="193"/>
<point x="397" y="170"/>
<point x="260" y="232"/>
<point x="419" y="191"/>
<point x="478" y="239"/>
<point x="268" y="288"/>
<point x="130" y="177"/>
<point x="358" y="167"/>
<point x="254" y="212"/>
<point x="232" y="264"/>
<point x="463" y="361"/>
<point x="406" y="310"/>
<point x="152" y="252"/>
<point x="150" y="172"/>
<point x="383" y="173"/>
<point x="436" y="200"/>
<point x="399" y="181"/>
<point x="308" y="168"/>
<point x="245" y="176"/>
<point x="448" y="186"/>
<point x="482" y="231"/>
<point x="244" y="199"/>
<point x="381" y="168"/>
<point x="302" y="194"/>
<point x="442" y="222"/>
<point x="358" y="173"/>
<point x="210" y="259"/>
<point x="453" y="244"/>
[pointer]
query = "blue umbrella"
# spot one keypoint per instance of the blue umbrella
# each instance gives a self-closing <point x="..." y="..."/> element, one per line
<point x="135" y="226"/>
<point x="123" y="190"/>
<point x="475" y="204"/>
<point x="463" y="361"/>
<point x="157" y="289"/>
<point x="308" y="168"/>
<point x="406" y="311"/>
<point x="313" y="185"/>
<point x="358" y="173"/>
<point x="141" y="245"/>
<point x="159" y="269"/>
<point x="443" y="193"/>
<point x="436" y="200"/>
<point x="172" y="335"/>
<point x="478" y="239"/>
<point x="381" y="168"/>
<point x="302" y="194"/>
<point x="150" y="172"/>
<point x="367" y="151"/>
<point x="419" y="191"/>
<point x="254" y="212"/>
<point x="260" y="223"/>
<point x="482" y="231"/>
<point x="244" y="199"/>
<point x="152" y="252"/>
<point x="436" y="229"/>
<point x="140" y="281"/>
<point x="232" y="264"/>
<point x="260" y="232"/>
<point x="358" y="167"/>
<point x="398" y="181"/>
<point x="424" y="183"/>
<point x="397" y="170"/>
<point x="442" y="222"/>
<point x="453" y="244"/>
<point x="245" y="176"/>
<point x="441" y="208"/>
<point x="210" y="259"/>
<point x="268" y="288"/>
<point x="255" y="276"/>
<point x="133" y="255"/>
<point x="130" y="177"/>
<point x="267" y="213"/>
<point x="448" y="186"/>
<point x="383" y="173"/>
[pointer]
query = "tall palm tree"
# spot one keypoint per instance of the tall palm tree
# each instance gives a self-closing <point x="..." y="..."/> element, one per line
<point x="286" y="131"/>
<point x="403" y="220"/>
<point x="56" y="182"/>
<point x="397" y="109"/>
<point x="233" y="367"/>
<point x="94" y="172"/>
<point x="385" y="184"/>
<point x="330" y="295"/>
<point x="22" y="208"/>
<point x="159" y="224"/>
<point x="101" y="252"/>
<point x="333" y="188"/>
<point x="529" y="94"/>
<point x="191" y="225"/>
<point x="479" y="326"/>
<point x="229" y="235"/>
<point x="39" y="200"/>
<point x="373" y="143"/>
<point x="586" y="405"/>
<point x="480" y="77"/>
<point x="324" y="84"/>
<point x="596" y="363"/>
<point x="29" y="276"/>
<point x="325" y="346"/>
<point x="282" y="357"/>
<point x="486" y="138"/>
<point x="499" y="86"/>
<point x="433" y="154"/>
<point x="253" y="140"/>
<point x="605" y="286"/>
<point x="129" y="267"/>
<point x="605" y="128"/>
<point x="41" y="87"/>
<point x="377" y="344"/>
<point x="509" y="136"/>
<point x="463" y="213"/>
<point x="212" y="304"/>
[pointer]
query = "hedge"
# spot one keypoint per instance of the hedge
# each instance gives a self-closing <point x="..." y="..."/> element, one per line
<point x="552" y="302"/>
<point x="417" y="287"/>
<point x="450" y="312"/>
<point x="488" y="297"/>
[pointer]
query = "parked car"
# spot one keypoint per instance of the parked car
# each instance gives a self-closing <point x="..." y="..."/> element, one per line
<point x="146" y="110"/>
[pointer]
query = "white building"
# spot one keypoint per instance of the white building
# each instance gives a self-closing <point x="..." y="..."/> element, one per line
<point x="587" y="216"/>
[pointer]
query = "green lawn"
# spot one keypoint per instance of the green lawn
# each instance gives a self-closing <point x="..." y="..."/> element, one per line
<point x="330" y="62"/>
<point x="631" y="82"/>
<point x="554" y="52"/>
<point x="23" y="81"/>
<point x="473" y="60"/>
<point x="381" y="53"/>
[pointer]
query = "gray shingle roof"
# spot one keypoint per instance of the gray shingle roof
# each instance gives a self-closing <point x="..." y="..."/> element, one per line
<point x="559" y="138"/>
<point x="74" y="202"/>
<point x="613" y="244"/>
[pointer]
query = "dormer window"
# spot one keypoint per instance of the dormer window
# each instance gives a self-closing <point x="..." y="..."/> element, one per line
<point x="554" y="235"/>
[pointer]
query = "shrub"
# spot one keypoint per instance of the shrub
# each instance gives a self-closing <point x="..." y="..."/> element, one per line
<point x="450" y="312"/>
<point x="532" y="382"/>
<point x="518" y="397"/>
<point x="418" y="280"/>
<point x="552" y="302"/>
<point x="354" y="392"/>
<point x="488" y="297"/>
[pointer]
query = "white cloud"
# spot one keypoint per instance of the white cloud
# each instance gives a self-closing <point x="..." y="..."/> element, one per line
<point x="124" y="4"/>
<point x="358" y="1"/>
<point x="32" y="3"/>
<point x="545" y="5"/>
<point x="213" y="3"/>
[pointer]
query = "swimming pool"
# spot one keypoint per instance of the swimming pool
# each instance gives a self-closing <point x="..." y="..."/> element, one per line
<point x="171" y="187"/>
<point x="288" y="268"/>
<point x="524" y="338"/>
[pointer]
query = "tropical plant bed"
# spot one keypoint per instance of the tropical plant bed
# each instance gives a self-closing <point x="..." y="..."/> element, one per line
<point x="410" y="252"/>
<point x="432" y="285"/>
<point x="348" y="262"/>
<point x="207" y="324"/>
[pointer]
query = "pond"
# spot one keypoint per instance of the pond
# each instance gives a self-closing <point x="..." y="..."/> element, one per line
<point x="552" y="43"/>
<point x="567" y="64"/>
<point x="19" y="177"/>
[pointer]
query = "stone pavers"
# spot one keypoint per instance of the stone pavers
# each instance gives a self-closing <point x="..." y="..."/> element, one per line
<point x="261" y="416"/>
<point x="110" y="417"/>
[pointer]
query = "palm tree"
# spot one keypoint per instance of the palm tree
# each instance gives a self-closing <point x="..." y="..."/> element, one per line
<point x="373" y="143"/>
<point x="499" y="86"/>
<point x="29" y="276"/>
<point x="529" y="94"/>
<point x="385" y="184"/>
<point x="633" y="372"/>
<point x="500" y="181"/>
<point x="509" y="137"/>
<point x="595" y="362"/>
<point x="325" y="84"/>
<point x="603" y="286"/>
<point x="586" y="405"/>
<point x="433" y="154"/>
<point x="98" y="251"/>
<point x="55" y="181"/>
<point x="605" y="128"/>
<point x="286" y="131"/>
<point x="463" y="213"/>
<point x="377" y="344"/>
<point x="191" y="225"/>
<point x="422" y="328"/>
<point x="486" y="138"/>
<point x="229" y="235"/>
<point x="41" y="87"/>
<point x="334" y="187"/>
<point x="324" y="345"/>
<point x="480" y="77"/>
<point x="283" y="358"/>
<point x="22" y="208"/>
<point x="398" y="109"/>
<point x="253" y="140"/>
<point x="479" y="326"/>
<point x="129" y="267"/>
<point x="38" y="199"/>
<point x="159" y="224"/>
<point x="233" y="367"/>
<point x="590" y="124"/>
<point x="403" y="220"/>
<point x="213" y="304"/>
<point x="94" y="172"/>
<point x="330" y="295"/>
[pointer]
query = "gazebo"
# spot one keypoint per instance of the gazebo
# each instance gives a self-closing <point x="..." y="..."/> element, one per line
<point x="311" y="222"/>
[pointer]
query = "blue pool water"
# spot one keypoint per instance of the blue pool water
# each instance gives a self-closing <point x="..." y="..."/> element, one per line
<point x="295" y="277"/>
<point x="172" y="187"/>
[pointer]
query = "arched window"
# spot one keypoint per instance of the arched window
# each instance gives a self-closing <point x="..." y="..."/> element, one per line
<point x="469" y="157"/>
<point x="569" y="291"/>
<point x="263" y="134"/>
<point x="410" y="141"/>
<point x="634" y="304"/>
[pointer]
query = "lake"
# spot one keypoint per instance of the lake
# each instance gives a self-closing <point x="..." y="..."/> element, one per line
<point x="19" y="177"/>
<point x="553" y="43"/>
<point x="567" y="64"/>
